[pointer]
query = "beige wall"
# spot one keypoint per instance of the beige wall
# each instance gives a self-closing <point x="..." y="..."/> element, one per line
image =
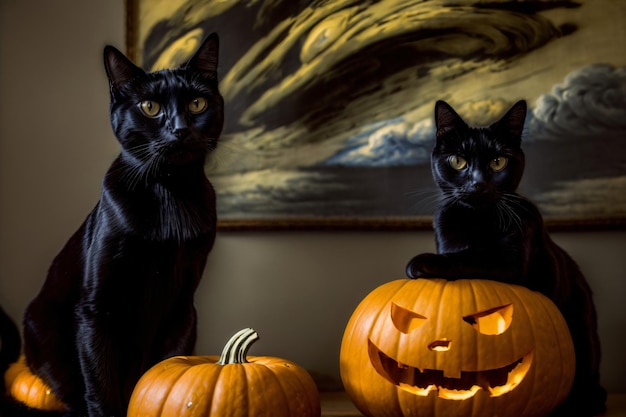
<point x="296" y="289"/>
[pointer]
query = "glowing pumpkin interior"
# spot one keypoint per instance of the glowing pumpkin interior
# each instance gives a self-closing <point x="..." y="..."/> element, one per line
<point x="464" y="384"/>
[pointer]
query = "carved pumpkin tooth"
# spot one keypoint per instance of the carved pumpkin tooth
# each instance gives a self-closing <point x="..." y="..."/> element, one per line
<point x="458" y="395"/>
<point x="422" y="392"/>
<point x="514" y="377"/>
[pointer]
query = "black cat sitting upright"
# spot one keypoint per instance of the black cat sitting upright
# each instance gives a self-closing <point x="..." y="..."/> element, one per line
<point x="119" y="296"/>
<point x="484" y="229"/>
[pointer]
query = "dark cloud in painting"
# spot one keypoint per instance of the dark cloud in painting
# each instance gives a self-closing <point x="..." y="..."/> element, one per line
<point x="591" y="101"/>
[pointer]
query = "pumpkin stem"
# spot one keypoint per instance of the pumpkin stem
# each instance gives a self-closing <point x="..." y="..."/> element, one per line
<point x="236" y="349"/>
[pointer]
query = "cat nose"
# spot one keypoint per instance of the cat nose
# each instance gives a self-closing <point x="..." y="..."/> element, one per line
<point x="478" y="186"/>
<point x="478" y="182"/>
<point x="179" y="126"/>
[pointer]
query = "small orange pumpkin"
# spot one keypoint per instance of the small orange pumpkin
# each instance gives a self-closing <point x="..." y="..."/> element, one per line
<point x="232" y="385"/>
<point x="465" y="348"/>
<point x="29" y="389"/>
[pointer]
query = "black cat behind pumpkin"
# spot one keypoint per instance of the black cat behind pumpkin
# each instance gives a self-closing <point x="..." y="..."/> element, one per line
<point x="484" y="229"/>
<point x="118" y="298"/>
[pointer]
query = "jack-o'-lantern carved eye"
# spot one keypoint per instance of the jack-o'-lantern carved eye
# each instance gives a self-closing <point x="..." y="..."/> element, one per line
<point x="493" y="321"/>
<point x="405" y="320"/>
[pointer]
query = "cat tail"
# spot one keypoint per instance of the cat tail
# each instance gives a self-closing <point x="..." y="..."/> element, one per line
<point x="11" y="346"/>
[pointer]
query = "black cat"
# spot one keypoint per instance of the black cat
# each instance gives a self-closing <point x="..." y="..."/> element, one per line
<point x="484" y="229"/>
<point x="119" y="296"/>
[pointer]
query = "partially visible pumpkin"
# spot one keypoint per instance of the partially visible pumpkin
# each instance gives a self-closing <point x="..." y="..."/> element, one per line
<point x="29" y="389"/>
<point x="233" y="385"/>
<point x="465" y="348"/>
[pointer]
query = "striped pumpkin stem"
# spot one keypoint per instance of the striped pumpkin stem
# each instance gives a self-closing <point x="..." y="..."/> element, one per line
<point x="236" y="349"/>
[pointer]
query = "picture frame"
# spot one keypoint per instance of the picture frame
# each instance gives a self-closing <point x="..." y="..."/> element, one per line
<point x="329" y="105"/>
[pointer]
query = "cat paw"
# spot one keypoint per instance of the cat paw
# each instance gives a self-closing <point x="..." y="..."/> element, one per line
<point x="421" y="266"/>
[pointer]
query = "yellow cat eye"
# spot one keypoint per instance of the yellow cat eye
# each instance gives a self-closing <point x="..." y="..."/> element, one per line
<point x="499" y="163"/>
<point x="197" y="105"/>
<point x="457" y="162"/>
<point x="150" y="108"/>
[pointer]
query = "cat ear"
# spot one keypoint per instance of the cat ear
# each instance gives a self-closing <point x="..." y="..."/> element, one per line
<point x="513" y="121"/>
<point x="446" y="119"/>
<point x="119" y="68"/>
<point x="206" y="57"/>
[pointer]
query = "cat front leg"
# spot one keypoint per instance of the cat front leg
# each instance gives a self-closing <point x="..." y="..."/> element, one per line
<point x="476" y="264"/>
<point x="48" y="332"/>
<point x="96" y="353"/>
<point x="432" y="265"/>
<point x="427" y="265"/>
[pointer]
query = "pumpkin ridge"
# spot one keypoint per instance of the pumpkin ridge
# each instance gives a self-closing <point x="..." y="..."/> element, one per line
<point x="394" y="288"/>
<point x="520" y="318"/>
<point x="535" y="390"/>
<point x="220" y="397"/>
<point x="174" y="372"/>
<point x="30" y="389"/>
<point x="249" y="392"/>
<point x="554" y="318"/>
<point x="268" y="373"/>
<point x="443" y="289"/>
<point x="292" y="383"/>
<point x="548" y="313"/>
<point x="172" y="385"/>
<point x="479" y="364"/>
<point x="194" y="372"/>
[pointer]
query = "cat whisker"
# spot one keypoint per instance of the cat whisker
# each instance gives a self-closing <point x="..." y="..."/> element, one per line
<point x="152" y="168"/>
<point x="508" y="215"/>
<point x="426" y="200"/>
<point x="132" y="175"/>
<point x="140" y="172"/>
<point x="211" y="144"/>
<point x="447" y="197"/>
<point x="516" y="200"/>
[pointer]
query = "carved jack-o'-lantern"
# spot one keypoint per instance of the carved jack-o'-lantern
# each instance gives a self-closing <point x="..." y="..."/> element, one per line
<point x="456" y="348"/>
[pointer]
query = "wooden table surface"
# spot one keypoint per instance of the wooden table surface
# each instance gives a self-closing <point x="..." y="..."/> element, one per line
<point x="337" y="404"/>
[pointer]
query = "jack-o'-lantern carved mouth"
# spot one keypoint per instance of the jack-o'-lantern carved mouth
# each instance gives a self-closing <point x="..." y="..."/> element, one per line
<point x="497" y="381"/>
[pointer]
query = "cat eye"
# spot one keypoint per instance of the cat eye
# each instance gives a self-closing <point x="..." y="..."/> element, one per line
<point x="457" y="162"/>
<point x="197" y="105"/>
<point x="150" y="108"/>
<point x="498" y="164"/>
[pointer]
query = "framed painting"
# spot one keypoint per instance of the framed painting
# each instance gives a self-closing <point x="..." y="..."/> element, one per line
<point x="329" y="103"/>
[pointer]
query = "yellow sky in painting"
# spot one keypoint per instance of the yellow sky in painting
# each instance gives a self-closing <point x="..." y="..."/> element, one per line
<point x="335" y="31"/>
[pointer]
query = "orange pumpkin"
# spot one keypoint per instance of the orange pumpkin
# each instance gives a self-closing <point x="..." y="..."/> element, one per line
<point x="29" y="389"/>
<point x="232" y="385"/>
<point x="431" y="347"/>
